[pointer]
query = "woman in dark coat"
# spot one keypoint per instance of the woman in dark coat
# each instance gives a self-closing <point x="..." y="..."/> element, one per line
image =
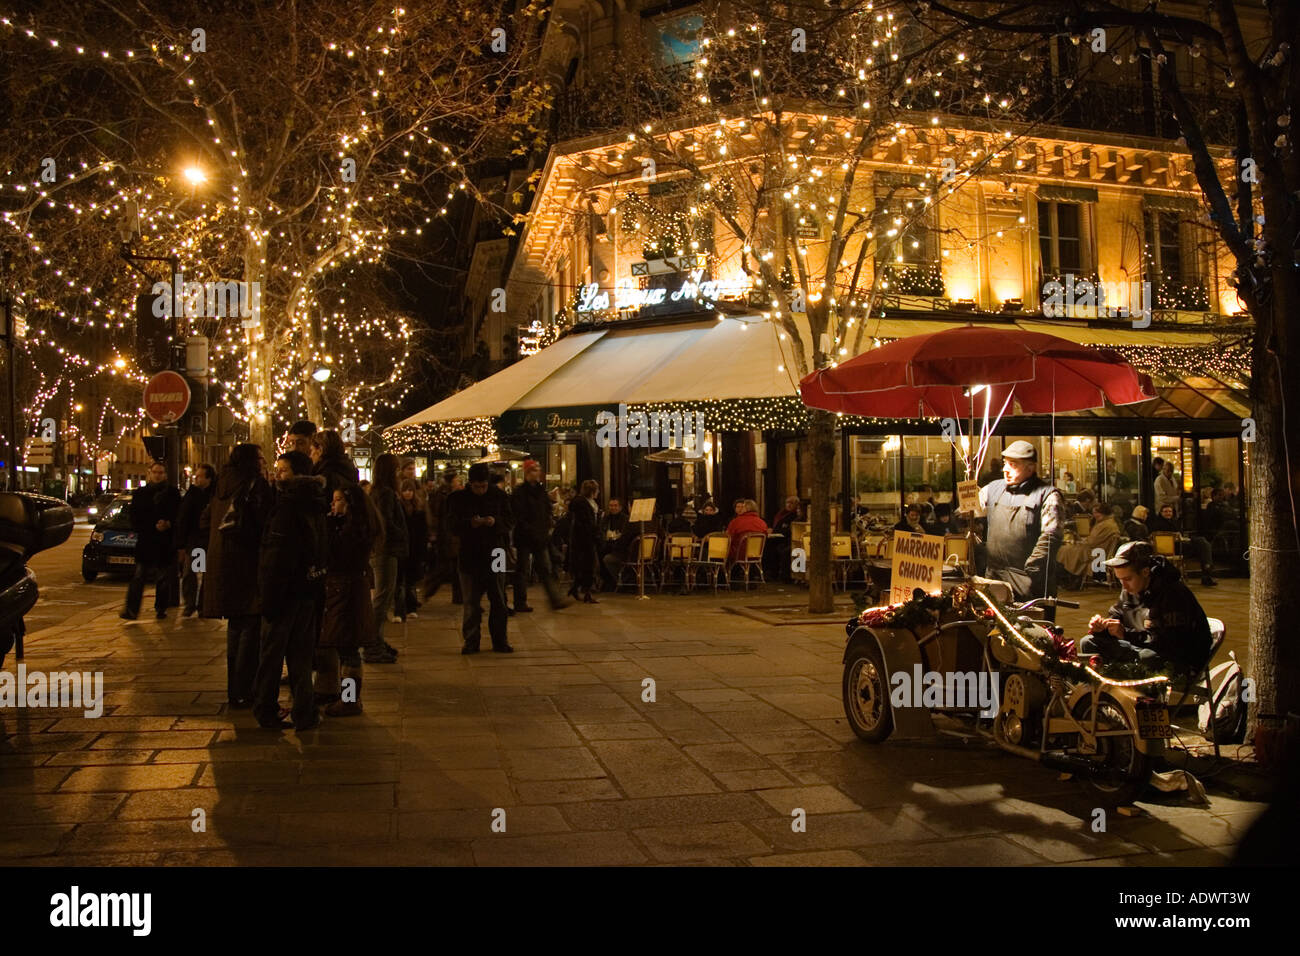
<point x="417" y="533"/>
<point x="383" y="495"/>
<point x="330" y="459"/>
<point x="354" y="534"/>
<point x="237" y="516"/>
<point x="584" y="543"/>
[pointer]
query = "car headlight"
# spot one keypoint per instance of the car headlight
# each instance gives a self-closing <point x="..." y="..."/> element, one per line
<point x="92" y="510"/>
<point x="97" y="536"/>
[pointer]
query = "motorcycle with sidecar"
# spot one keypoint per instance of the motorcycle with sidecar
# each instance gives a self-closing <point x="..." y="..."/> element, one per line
<point x="1107" y="727"/>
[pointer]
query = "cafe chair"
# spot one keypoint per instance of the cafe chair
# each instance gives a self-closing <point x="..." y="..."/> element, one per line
<point x="751" y="550"/>
<point x="712" y="558"/>
<point x="1166" y="545"/>
<point x="679" y="552"/>
<point x="798" y="530"/>
<point x="843" y="560"/>
<point x="1082" y="525"/>
<point x="644" y="547"/>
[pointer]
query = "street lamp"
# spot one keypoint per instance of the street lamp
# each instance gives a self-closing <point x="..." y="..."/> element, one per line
<point x="195" y="176"/>
<point x="321" y="374"/>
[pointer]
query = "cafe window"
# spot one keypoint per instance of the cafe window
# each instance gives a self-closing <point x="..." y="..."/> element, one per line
<point x="1170" y="261"/>
<point x="928" y="461"/>
<point x="874" y="470"/>
<point x="907" y="243"/>
<point x="1063" y="242"/>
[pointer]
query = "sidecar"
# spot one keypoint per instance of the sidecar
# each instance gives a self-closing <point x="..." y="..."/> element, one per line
<point x="887" y="671"/>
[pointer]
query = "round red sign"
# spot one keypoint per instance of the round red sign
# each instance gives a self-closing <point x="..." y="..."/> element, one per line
<point x="166" y="397"/>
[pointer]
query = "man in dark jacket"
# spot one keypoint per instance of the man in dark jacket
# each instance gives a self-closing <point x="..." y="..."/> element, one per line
<point x="192" y="534"/>
<point x="531" y="506"/>
<point x="291" y="574"/>
<point x="1157" y="620"/>
<point x="153" y="512"/>
<point x="1024" y="526"/>
<point x="480" y="517"/>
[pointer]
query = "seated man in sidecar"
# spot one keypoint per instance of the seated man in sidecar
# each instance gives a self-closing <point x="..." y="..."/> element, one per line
<point x="1157" y="620"/>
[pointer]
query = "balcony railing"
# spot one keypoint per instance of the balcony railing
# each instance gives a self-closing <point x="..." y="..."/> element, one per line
<point x="1083" y="104"/>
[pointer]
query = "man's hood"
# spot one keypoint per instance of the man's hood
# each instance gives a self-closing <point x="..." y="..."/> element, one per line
<point x="305" y="488"/>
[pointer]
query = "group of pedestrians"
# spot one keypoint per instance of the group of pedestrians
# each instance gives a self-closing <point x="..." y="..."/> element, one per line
<point x="298" y="560"/>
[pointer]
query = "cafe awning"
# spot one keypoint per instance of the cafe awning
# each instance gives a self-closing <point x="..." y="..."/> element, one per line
<point x="496" y="393"/>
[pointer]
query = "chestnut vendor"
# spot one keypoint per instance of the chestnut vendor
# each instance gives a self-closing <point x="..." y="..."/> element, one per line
<point x="1024" y="525"/>
<point x="1156" y="621"/>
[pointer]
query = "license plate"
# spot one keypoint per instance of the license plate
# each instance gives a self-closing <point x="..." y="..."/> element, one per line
<point x="1153" y="721"/>
<point x="121" y="560"/>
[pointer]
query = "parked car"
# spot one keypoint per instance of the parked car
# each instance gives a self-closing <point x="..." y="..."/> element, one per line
<point x="100" y="504"/>
<point x="111" y="548"/>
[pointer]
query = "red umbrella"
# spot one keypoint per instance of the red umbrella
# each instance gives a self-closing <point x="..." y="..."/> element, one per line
<point x="932" y="375"/>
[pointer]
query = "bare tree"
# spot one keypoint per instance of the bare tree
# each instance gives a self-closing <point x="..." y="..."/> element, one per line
<point x="294" y="146"/>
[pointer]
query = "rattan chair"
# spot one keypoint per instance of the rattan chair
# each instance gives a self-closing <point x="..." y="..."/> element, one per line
<point x="751" y="559"/>
<point x="644" y="547"/>
<point x="1166" y="545"/>
<point x="712" y="559"/>
<point x="843" y="559"/>
<point x="679" y="552"/>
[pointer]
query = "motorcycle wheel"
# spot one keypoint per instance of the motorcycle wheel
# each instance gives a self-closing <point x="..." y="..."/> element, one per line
<point x="866" y="693"/>
<point x="1129" y="768"/>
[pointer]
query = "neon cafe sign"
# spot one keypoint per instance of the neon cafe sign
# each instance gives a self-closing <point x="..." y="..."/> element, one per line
<point x="626" y="296"/>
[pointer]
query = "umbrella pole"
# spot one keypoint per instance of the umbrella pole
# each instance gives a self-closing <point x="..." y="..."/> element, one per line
<point x="972" y="471"/>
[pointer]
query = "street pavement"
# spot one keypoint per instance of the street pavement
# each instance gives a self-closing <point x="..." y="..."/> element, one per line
<point x="553" y="755"/>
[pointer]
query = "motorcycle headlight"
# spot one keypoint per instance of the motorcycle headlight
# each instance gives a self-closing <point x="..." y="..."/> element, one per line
<point x="97" y="536"/>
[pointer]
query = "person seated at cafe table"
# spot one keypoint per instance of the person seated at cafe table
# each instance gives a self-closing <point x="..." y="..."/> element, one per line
<point x="1157" y="620"/>
<point x="1081" y="505"/>
<point x="942" y="522"/>
<point x="1076" y="557"/>
<point x="789" y="514"/>
<point x="709" y="520"/>
<point x="1195" y="546"/>
<point x="746" y="521"/>
<point x="1135" y="528"/>
<point x="613" y="522"/>
<point x="911" y="520"/>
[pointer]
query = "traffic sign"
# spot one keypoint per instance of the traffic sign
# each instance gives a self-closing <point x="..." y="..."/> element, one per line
<point x="166" y="397"/>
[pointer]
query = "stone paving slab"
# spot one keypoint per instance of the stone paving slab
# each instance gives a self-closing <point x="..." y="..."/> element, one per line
<point x="558" y="743"/>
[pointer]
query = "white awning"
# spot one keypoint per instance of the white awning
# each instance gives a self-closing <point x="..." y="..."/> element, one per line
<point x="496" y="393"/>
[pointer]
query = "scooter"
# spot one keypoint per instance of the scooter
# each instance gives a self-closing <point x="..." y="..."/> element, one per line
<point x="1052" y="708"/>
<point x="29" y="523"/>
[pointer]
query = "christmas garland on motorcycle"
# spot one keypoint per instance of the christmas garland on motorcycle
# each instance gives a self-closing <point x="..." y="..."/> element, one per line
<point x="1058" y="655"/>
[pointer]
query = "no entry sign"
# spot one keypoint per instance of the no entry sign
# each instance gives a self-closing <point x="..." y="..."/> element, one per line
<point x="166" y="397"/>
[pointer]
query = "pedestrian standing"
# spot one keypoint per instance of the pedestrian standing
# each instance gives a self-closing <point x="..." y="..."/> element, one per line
<point x="236" y="518"/>
<point x="445" y="544"/>
<point x="301" y="433"/>
<point x="291" y="574"/>
<point x="584" y="541"/>
<point x="191" y="535"/>
<point x="417" y="533"/>
<point x="532" y="513"/>
<point x="1166" y="491"/>
<point x="153" y="512"/>
<point x="354" y="535"/>
<point x="331" y="461"/>
<point x="480" y="517"/>
<point x="1024" y="526"/>
<point x="383" y="495"/>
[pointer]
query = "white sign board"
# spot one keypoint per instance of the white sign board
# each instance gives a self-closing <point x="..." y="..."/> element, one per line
<point x="917" y="563"/>
<point x="643" y="509"/>
<point x="968" y="497"/>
